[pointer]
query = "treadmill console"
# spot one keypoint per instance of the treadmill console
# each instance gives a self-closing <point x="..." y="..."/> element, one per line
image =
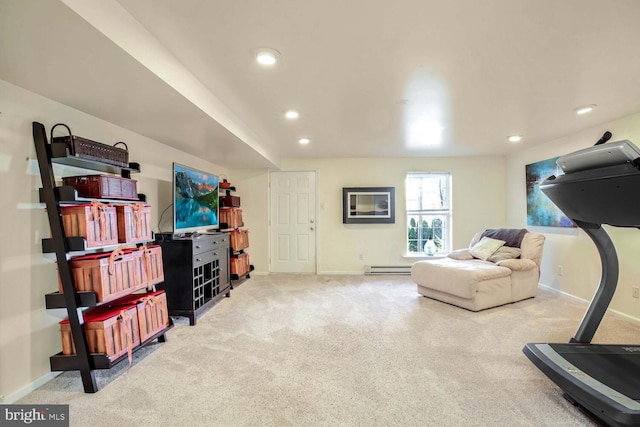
<point x="599" y="185"/>
<point x="614" y="153"/>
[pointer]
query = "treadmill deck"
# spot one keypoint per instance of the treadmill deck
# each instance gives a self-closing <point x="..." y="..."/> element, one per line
<point x="603" y="379"/>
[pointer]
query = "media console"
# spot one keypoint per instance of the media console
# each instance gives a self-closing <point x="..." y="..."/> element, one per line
<point x="196" y="269"/>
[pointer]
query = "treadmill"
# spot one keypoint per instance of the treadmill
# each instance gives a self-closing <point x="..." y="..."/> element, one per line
<point x="600" y="185"/>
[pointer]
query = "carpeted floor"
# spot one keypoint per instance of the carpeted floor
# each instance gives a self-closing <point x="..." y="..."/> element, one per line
<point x="296" y="350"/>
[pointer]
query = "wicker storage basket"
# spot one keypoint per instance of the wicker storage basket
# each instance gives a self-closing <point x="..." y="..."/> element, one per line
<point x="134" y="223"/>
<point x="152" y="312"/>
<point x="91" y="150"/>
<point x="96" y="222"/>
<point x="109" y="330"/>
<point x="232" y="217"/>
<point x="239" y="239"/>
<point x="230" y="201"/>
<point x="103" y="186"/>
<point x="149" y="263"/>
<point x="110" y="275"/>
<point x="240" y="264"/>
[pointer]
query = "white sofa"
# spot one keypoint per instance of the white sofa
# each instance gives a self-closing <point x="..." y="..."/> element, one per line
<point x="463" y="280"/>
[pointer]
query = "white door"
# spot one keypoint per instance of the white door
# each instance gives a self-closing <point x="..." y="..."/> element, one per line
<point x="293" y="222"/>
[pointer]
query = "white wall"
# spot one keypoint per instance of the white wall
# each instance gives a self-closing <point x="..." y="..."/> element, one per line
<point x="575" y="252"/>
<point x="481" y="188"/>
<point x="29" y="333"/>
<point x="478" y="203"/>
<point x="252" y="185"/>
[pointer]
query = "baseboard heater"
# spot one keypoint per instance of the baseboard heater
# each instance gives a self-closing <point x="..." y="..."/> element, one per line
<point x="370" y="270"/>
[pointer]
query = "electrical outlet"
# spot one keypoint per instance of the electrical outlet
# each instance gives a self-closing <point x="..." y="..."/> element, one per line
<point x="560" y="270"/>
<point x="635" y="292"/>
<point x="361" y="256"/>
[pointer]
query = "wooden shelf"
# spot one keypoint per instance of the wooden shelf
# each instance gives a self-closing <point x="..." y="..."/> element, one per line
<point x="60" y="154"/>
<point x="63" y="247"/>
<point x="66" y="194"/>
<point x="62" y="362"/>
<point x="75" y="244"/>
<point x="84" y="298"/>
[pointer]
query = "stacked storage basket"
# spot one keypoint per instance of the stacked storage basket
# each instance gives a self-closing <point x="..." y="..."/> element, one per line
<point x="107" y="291"/>
<point x="231" y="220"/>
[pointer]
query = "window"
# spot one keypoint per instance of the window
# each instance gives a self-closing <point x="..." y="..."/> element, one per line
<point x="428" y="213"/>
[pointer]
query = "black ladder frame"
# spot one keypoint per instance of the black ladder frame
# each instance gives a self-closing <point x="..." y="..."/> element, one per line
<point x="60" y="244"/>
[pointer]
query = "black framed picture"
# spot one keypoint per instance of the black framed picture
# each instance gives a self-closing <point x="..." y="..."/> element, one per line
<point x="368" y="205"/>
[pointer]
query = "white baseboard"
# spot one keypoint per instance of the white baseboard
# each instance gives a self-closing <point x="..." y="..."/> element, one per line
<point x="340" y="273"/>
<point x="23" y="391"/>
<point x="586" y="303"/>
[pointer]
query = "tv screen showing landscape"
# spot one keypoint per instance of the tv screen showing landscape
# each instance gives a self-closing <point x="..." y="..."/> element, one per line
<point x="195" y="200"/>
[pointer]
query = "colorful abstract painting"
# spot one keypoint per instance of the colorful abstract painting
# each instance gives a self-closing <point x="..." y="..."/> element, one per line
<point x="541" y="211"/>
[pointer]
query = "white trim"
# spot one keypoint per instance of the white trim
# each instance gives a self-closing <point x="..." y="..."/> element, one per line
<point x="611" y="311"/>
<point x="422" y="256"/>
<point x="32" y="386"/>
<point x="340" y="273"/>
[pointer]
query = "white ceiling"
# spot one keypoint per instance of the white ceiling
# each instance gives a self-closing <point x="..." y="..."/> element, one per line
<point x="365" y="75"/>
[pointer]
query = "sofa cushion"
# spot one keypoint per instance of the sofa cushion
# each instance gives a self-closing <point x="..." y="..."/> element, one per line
<point x="460" y="254"/>
<point x="459" y="278"/>
<point x="505" y="252"/>
<point x="532" y="244"/>
<point x="511" y="236"/>
<point x="518" y="264"/>
<point x="485" y="248"/>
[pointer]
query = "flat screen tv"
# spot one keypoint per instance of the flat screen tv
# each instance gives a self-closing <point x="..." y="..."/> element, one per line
<point x="195" y="200"/>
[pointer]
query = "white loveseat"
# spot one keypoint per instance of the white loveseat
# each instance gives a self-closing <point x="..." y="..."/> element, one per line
<point x="508" y="274"/>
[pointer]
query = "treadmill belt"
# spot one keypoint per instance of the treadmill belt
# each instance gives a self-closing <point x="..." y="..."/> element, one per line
<point x="617" y="366"/>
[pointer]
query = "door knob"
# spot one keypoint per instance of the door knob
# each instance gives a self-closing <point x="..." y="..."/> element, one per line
<point x="311" y="221"/>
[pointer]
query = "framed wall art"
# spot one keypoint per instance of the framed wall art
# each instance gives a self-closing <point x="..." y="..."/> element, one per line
<point x="541" y="211"/>
<point x="368" y="205"/>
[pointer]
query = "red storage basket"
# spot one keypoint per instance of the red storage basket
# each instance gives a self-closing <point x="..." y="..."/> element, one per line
<point x="152" y="312"/>
<point x="239" y="239"/>
<point x="103" y="186"/>
<point x="110" y="275"/>
<point x="240" y="264"/>
<point x="109" y="330"/>
<point x="232" y="217"/>
<point x="134" y="223"/>
<point x="96" y="222"/>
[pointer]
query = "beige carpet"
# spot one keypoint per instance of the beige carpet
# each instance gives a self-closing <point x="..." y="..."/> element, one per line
<point x="293" y="350"/>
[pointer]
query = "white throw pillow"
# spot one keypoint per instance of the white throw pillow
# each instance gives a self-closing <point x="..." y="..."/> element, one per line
<point x="505" y="252"/>
<point x="460" y="254"/>
<point x="486" y="247"/>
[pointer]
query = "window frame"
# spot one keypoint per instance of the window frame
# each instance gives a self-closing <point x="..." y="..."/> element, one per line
<point x="444" y="214"/>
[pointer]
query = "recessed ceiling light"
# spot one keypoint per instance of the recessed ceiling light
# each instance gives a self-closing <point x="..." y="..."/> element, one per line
<point x="267" y="56"/>
<point x="304" y="141"/>
<point x="291" y="114"/>
<point x="585" y="109"/>
<point x="515" y="138"/>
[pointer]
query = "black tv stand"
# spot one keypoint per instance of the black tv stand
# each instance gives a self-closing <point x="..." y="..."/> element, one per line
<point x="196" y="272"/>
<point x="602" y="379"/>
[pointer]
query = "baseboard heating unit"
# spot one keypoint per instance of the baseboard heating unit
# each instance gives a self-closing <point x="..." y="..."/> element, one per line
<point x="370" y="270"/>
